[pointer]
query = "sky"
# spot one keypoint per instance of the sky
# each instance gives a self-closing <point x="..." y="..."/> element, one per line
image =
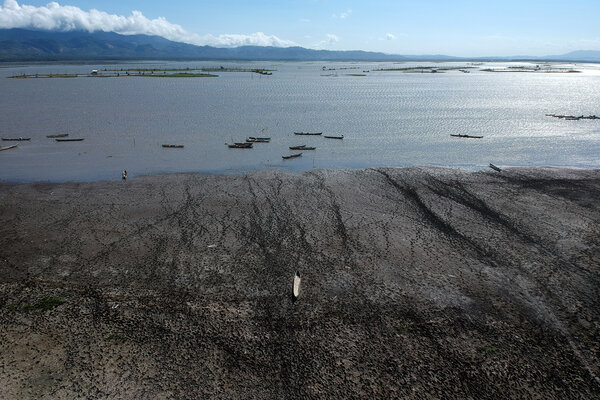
<point x="451" y="27"/>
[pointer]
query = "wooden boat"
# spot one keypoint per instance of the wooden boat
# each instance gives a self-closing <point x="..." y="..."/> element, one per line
<point x="296" y="286"/>
<point x="291" y="156"/>
<point x="334" y="137"/>
<point x="19" y="139"/>
<point x="252" y="139"/>
<point x="173" y="146"/>
<point x="240" y="146"/>
<point x="492" y="166"/>
<point x="57" y="136"/>
<point x="303" y="147"/>
<point x="466" y="136"/>
<point x="308" y="133"/>
<point x="8" y="147"/>
<point x="69" y="140"/>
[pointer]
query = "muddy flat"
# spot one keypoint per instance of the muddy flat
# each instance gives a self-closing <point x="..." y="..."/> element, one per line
<point x="416" y="283"/>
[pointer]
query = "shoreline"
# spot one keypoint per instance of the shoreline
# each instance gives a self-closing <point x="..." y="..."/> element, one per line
<point x="281" y="169"/>
<point x="416" y="282"/>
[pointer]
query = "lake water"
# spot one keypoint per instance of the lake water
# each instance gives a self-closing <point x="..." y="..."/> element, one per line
<point x="388" y="118"/>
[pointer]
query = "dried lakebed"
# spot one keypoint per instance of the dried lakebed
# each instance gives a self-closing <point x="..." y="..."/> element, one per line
<point x="416" y="283"/>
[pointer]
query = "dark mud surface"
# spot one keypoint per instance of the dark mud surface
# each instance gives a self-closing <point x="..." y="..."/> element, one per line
<point x="416" y="283"/>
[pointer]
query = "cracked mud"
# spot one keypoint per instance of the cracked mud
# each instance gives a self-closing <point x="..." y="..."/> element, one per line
<point x="416" y="283"/>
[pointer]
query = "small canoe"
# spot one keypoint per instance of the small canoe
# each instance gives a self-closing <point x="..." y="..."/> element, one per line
<point x="303" y="147"/>
<point x="466" y="136"/>
<point x="57" y="136"/>
<point x="19" y="139"/>
<point x="8" y="147"/>
<point x="291" y="156"/>
<point x="252" y="139"/>
<point x="308" y="133"/>
<point x="296" y="286"/>
<point x="492" y="166"/>
<point x="69" y="140"/>
<point x="334" y="137"/>
<point x="173" y="146"/>
<point x="240" y="146"/>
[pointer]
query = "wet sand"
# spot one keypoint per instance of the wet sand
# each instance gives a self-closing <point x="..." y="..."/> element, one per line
<point x="416" y="283"/>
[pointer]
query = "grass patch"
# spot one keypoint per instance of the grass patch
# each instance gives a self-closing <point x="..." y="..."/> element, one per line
<point x="149" y="69"/>
<point x="47" y="303"/>
<point x="116" y="338"/>
<point x="261" y="71"/>
<point x="24" y="76"/>
<point x="404" y="327"/>
<point x="182" y="75"/>
<point x="488" y="350"/>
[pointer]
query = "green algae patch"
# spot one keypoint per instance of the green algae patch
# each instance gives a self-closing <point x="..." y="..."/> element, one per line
<point x="45" y="304"/>
<point x="181" y="75"/>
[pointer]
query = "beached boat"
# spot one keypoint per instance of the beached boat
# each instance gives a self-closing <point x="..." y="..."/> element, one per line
<point x="296" y="286"/>
<point x="308" y="133"/>
<point x="303" y="147"/>
<point x="252" y="139"/>
<point x="69" y="140"/>
<point x="173" y="146"/>
<point x="57" y="136"/>
<point x="19" y="139"/>
<point x="334" y="137"/>
<point x="466" y="136"/>
<point x="492" y="166"/>
<point x="240" y="146"/>
<point x="8" y="147"/>
<point x="291" y="156"/>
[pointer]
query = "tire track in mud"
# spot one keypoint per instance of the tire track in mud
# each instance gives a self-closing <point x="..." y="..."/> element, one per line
<point x="541" y="297"/>
<point x="456" y="192"/>
<point x="436" y="221"/>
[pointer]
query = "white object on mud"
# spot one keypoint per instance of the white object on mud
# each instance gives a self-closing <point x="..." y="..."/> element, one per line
<point x="296" y="290"/>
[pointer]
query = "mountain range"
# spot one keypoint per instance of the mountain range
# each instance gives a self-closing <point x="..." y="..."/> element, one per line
<point x="32" y="45"/>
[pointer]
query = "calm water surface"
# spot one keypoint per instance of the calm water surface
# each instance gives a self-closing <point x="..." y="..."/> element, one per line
<point x="387" y="118"/>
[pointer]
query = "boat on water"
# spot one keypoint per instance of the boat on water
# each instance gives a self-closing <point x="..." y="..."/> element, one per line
<point x="302" y="147"/>
<point x="296" y="286"/>
<point x="173" y="146"/>
<point x="334" y="137"/>
<point x="492" y="166"/>
<point x="9" y="147"/>
<point x="69" y="140"/>
<point x="308" y="133"/>
<point x="61" y="135"/>
<point x="572" y="117"/>
<point x="19" y="139"/>
<point x="252" y="139"/>
<point x="291" y="156"/>
<point x="466" y="136"/>
<point x="240" y="146"/>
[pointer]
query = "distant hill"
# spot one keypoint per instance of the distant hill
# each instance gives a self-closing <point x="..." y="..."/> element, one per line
<point x="28" y="45"/>
<point x="31" y="45"/>
<point x="579" y="55"/>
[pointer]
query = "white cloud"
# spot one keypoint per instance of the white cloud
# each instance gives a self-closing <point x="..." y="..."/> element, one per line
<point x="390" y="36"/>
<point x="329" y="40"/>
<point x="53" y="16"/>
<point x="343" y="15"/>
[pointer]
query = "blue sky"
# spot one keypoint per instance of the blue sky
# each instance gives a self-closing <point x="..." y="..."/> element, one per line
<point x="461" y="28"/>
